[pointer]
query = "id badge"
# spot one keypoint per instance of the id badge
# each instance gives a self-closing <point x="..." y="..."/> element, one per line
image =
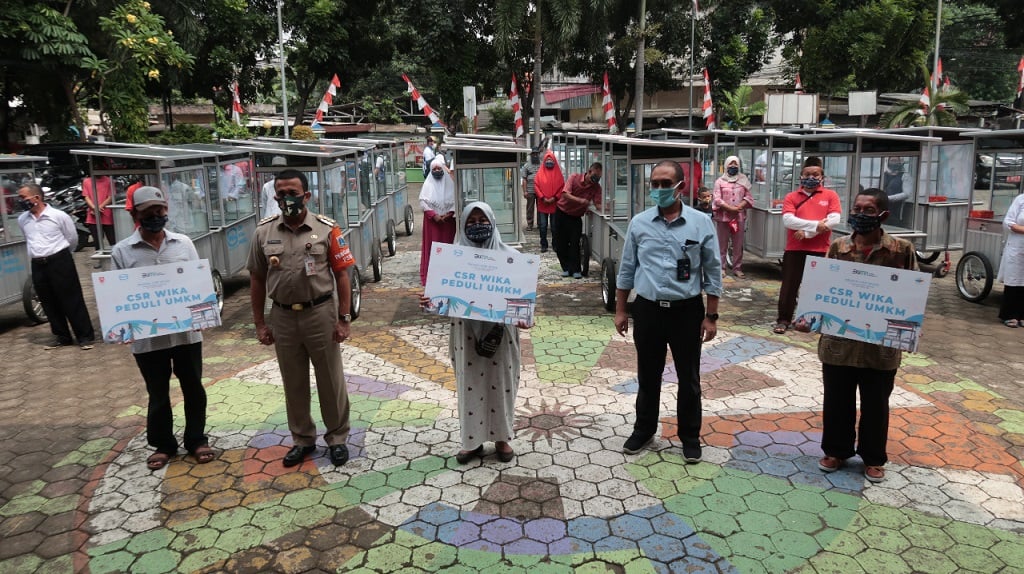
<point x="310" y="265"/>
<point x="683" y="269"/>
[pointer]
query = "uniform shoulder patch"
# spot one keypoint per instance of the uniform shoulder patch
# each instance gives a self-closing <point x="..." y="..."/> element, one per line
<point x="327" y="220"/>
<point x="267" y="220"/>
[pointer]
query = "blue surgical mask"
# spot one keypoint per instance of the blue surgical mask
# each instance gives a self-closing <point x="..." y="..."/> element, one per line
<point x="549" y="164"/>
<point x="664" y="197"/>
<point x="810" y="183"/>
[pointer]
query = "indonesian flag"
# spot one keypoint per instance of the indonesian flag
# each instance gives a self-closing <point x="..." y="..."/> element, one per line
<point x="799" y="86"/>
<point x="517" y="107"/>
<point x="709" y="113"/>
<point x="925" y="102"/>
<point x="332" y="90"/>
<point x="696" y="8"/>
<point x="236" y="104"/>
<point x="609" y="108"/>
<point x="1020" y="84"/>
<point x="422" y="103"/>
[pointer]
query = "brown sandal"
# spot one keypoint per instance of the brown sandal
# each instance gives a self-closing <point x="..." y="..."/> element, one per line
<point x="204" y="454"/>
<point x="780" y="328"/>
<point x="157" y="460"/>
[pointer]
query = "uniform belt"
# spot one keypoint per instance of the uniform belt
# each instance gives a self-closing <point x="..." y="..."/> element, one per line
<point x="50" y="258"/>
<point x="670" y="303"/>
<point x="304" y="304"/>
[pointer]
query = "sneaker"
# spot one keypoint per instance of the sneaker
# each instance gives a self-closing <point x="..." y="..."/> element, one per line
<point x="830" y="463"/>
<point x="56" y="345"/>
<point x="86" y="346"/>
<point x="565" y="273"/>
<point x="635" y="443"/>
<point x="692" y="453"/>
<point x="874" y="473"/>
<point x="577" y="275"/>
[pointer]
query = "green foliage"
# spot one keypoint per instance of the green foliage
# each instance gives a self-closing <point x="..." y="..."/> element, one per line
<point x="503" y="119"/>
<point x="43" y="34"/>
<point x="184" y="134"/>
<point x="303" y="133"/>
<point x="736" y="107"/>
<point x="226" y="128"/>
<point x="974" y="55"/>
<point x="946" y="103"/>
<point x="737" y="38"/>
<point x="381" y="112"/>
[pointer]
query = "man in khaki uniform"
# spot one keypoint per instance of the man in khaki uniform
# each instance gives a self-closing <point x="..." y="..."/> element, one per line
<point x="300" y="260"/>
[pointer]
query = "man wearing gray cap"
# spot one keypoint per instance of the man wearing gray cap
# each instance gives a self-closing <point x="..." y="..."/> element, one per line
<point x="159" y="356"/>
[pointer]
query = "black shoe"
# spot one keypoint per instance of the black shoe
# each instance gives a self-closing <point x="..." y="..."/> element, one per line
<point x="57" y="345"/>
<point x="635" y="443"/>
<point x="338" y="454"/>
<point x="691" y="453"/>
<point x="464" y="456"/>
<point x="298" y="454"/>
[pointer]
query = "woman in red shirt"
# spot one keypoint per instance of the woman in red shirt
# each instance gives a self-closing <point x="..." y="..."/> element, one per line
<point x="548" y="184"/>
<point x="98" y="195"/>
<point x="808" y="214"/>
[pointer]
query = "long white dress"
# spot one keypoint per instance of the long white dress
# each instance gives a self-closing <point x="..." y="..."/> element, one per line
<point x="487" y="386"/>
<point x="1011" y="265"/>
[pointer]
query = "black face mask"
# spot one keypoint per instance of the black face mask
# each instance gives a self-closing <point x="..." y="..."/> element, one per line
<point x="24" y="204"/>
<point x="535" y="160"/>
<point x="154" y="224"/>
<point x="479" y="232"/>
<point x="863" y="223"/>
<point x="437" y="174"/>
<point x="732" y="170"/>
<point x="595" y="178"/>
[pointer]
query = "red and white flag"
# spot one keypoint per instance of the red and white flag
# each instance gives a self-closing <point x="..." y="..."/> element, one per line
<point x="422" y="103"/>
<point x="925" y="102"/>
<point x="332" y="90"/>
<point x="517" y="107"/>
<point x="799" y="86"/>
<point x="696" y="8"/>
<point x="236" y="104"/>
<point x="1020" y="83"/>
<point x="609" y="108"/>
<point x="709" y="113"/>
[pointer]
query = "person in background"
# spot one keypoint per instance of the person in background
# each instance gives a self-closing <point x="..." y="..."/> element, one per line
<point x="429" y="151"/>
<point x="159" y="356"/>
<point x="530" y="169"/>
<point x="437" y="198"/>
<point x="1011" y="266"/>
<point x="98" y="194"/>
<point x="548" y="184"/>
<point x="808" y="214"/>
<point x="268" y="195"/>
<point x="670" y="256"/>
<point x="892" y="184"/>
<point x="731" y="200"/>
<point x="704" y="201"/>
<point x="300" y="260"/>
<point x="231" y="183"/>
<point x="849" y="366"/>
<point x="580" y="191"/>
<point x="51" y="238"/>
<point x="485" y="357"/>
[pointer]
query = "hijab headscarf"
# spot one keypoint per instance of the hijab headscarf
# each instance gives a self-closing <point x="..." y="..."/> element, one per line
<point x="548" y="182"/>
<point x="739" y="179"/>
<point x="439" y="194"/>
<point x="494" y="242"/>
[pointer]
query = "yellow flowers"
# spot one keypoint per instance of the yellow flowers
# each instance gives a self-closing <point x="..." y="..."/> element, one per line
<point x="145" y="5"/>
<point x="153" y="74"/>
<point x="153" y="40"/>
<point x="131" y="18"/>
<point x="128" y="42"/>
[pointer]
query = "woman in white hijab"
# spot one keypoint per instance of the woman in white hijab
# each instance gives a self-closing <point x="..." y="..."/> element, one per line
<point x="437" y="198"/>
<point x="730" y="200"/>
<point x="485" y="357"/>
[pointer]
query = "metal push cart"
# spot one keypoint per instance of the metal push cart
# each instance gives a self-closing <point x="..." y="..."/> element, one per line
<point x="489" y="171"/>
<point x="998" y="174"/>
<point x="15" y="271"/>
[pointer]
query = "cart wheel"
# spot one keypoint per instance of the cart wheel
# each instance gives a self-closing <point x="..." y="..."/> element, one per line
<point x="585" y="255"/>
<point x="608" y="283"/>
<point x="942" y="270"/>
<point x="391" y="238"/>
<point x="974" y="276"/>
<point x="377" y="263"/>
<point x="356" y="288"/>
<point x="923" y="257"/>
<point x="218" y="288"/>
<point x="410" y="220"/>
<point x="33" y="307"/>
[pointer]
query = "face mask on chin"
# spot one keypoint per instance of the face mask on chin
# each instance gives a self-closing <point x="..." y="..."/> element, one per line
<point x="292" y="205"/>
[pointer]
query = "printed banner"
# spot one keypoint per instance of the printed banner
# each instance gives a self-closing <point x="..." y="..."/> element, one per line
<point x="879" y="305"/>
<point x="483" y="284"/>
<point x="157" y="300"/>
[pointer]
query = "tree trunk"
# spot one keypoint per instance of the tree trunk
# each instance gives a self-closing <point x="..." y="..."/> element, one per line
<point x="537" y="55"/>
<point x="304" y="92"/>
<point x="69" y="93"/>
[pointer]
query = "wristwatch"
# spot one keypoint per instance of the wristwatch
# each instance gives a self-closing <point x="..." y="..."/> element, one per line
<point x="712" y="316"/>
<point x="346" y="318"/>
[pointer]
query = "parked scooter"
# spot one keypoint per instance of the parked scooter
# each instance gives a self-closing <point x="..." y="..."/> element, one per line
<point x="70" y="200"/>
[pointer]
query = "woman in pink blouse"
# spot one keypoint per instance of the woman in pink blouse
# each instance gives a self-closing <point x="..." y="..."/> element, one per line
<point x="731" y="198"/>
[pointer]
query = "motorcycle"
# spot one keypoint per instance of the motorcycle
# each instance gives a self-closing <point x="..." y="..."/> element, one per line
<point x="71" y="201"/>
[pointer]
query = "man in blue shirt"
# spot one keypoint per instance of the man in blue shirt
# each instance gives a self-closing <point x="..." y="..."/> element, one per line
<point x="671" y="258"/>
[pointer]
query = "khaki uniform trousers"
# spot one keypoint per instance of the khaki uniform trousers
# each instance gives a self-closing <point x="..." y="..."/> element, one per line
<point x="301" y="337"/>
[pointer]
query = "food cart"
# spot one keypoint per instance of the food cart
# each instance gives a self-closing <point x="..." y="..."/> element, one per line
<point x="15" y="270"/>
<point x="489" y="171"/>
<point x="334" y="182"/>
<point x="998" y="174"/>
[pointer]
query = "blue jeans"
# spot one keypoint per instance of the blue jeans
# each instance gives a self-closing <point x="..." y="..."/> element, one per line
<point x="542" y="227"/>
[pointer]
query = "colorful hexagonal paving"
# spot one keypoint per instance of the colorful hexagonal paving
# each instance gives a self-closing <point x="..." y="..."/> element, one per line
<point x="952" y="500"/>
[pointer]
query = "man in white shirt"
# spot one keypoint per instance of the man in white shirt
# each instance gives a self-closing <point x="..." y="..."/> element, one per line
<point x="268" y="195"/>
<point x="232" y="182"/>
<point x="51" y="237"/>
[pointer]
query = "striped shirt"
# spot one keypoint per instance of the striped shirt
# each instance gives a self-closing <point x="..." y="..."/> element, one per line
<point x="135" y="252"/>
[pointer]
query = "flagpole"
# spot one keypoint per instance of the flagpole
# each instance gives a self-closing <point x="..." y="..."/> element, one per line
<point x="934" y="81"/>
<point x="693" y="31"/>
<point x="284" y="85"/>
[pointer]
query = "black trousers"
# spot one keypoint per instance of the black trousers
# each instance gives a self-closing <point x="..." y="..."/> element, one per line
<point x="792" y="276"/>
<point x="566" y="239"/>
<point x="55" y="280"/>
<point x="840" y="430"/>
<point x="1012" y="306"/>
<point x="678" y="329"/>
<point x="186" y="362"/>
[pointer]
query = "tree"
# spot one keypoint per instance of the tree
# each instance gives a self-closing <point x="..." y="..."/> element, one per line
<point x="737" y="107"/>
<point x="975" y="54"/>
<point x="944" y="106"/>
<point x="737" y="38"/>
